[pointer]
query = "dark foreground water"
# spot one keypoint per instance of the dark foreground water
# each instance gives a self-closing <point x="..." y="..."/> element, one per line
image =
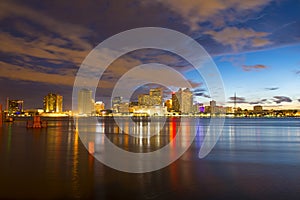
<point x="253" y="159"/>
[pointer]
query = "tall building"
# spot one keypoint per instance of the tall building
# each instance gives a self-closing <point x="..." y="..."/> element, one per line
<point x="168" y="104"/>
<point x="53" y="103"/>
<point x="213" y="105"/>
<point x="182" y="101"/>
<point x="156" y="96"/>
<point x="85" y="102"/>
<point x="99" y="106"/>
<point x="144" y="100"/>
<point x="15" y="106"/>
<point x="116" y="102"/>
<point x="175" y="102"/>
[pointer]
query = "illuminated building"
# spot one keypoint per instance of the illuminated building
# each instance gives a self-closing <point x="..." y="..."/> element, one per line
<point x="85" y="102"/>
<point x="198" y="107"/>
<point x="15" y="107"/>
<point x="213" y="105"/>
<point x="156" y="95"/>
<point x="168" y="104"/>
<point x="116" y="102"/>
<point x="182" y="101"/>
<point x="175" y="102"/>
<point x="99" y="106"/>
<point x="257" y="109"/>
<point x="154" y="98"/>
<point x="144" y="100"/>
<point x="53" y="103"/>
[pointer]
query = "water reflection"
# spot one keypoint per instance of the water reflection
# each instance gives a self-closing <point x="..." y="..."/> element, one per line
<point x="53" y="163"/>
<point x="133" y="152"/>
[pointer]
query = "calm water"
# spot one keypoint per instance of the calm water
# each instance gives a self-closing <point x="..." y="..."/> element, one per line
<point x="253" y="159"/>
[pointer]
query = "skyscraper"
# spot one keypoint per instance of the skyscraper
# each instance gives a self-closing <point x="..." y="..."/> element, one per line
<point x="175" y="102"/>
<point x="53" y="103"/>
<point x="156" y="96"/>
<point x="85" y="102"/>
<point x="182" y="101"/>
<point x="99" y="106"/>
<point x="116" y="102"/>
<point x="15" y="106"/>
<point x="187" y="101"/>
<point x="144" y="100"/>
<point x="213" y="105"/>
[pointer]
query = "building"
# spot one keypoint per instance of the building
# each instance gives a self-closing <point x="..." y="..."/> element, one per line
<point x="116" y="102"/>
<point x="175" y="102"/>
<point x="257" y="109"/>
<point x="15" y="107"/>
<point x="99" y="106"/>
<point x="124" y="108"/>
<point x="156" y="96"/>
<point x="144" y="100"/>
<point x="168" y="104"/>
<point x="198" y="108"/>
<point x="85" y="102"/>
<point x="53" y="103"/>
<point x="182" y="101"/>
<point x="213" y="106"/>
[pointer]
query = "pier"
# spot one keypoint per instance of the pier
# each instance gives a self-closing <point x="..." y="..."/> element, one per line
<point x="36" y="123"/>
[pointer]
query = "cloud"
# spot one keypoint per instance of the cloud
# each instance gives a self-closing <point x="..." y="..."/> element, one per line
<point x="201" y="94"/>
<point x="237" y="100"/>
<point x="63" y="77"/>
<point x="272" y="88"/>
<point x="257" y="67"/>
<point x="298" y="72"/>
<point x="260" y="42"/>
<point x="214" y="11"/>
<point x="20" y="73"/>
<point x="280" y="99"/>
<point x="238" y="38"/>
<point x="262" y="101"/>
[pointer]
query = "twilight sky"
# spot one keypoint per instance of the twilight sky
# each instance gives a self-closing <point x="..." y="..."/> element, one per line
<point x="254" y="43"/>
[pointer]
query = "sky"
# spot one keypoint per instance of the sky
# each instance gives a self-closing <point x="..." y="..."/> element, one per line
<point x="254" y="44"/>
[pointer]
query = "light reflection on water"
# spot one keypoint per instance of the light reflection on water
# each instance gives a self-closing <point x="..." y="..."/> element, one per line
<point x="257" y="158"/>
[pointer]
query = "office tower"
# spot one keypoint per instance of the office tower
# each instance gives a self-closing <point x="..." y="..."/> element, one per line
<point x="175" y="102"/>
<point x="144" y="100"/>
<point x="15" y="106"/>
<point x="156" y="96"/>
<point x="168" y="104"/>
<point x="99" y="106"/>
<point x="85" y="102"/>
<point x="53" y="103"/>
<point x="182" y="101"/>
<point x="116" y="102"/>
<point x="213" y="105"/>
<point x="187" y="101"/>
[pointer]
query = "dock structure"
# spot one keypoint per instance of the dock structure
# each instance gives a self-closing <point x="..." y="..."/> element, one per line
<point x="36" y="123"/>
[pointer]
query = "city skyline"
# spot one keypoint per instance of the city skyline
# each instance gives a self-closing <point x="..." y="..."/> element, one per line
<point x="182" y="101"/>
<point x="254" y="45"/>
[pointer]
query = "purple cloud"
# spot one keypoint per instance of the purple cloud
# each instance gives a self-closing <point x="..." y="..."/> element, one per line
<point x="280" y="99"/>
